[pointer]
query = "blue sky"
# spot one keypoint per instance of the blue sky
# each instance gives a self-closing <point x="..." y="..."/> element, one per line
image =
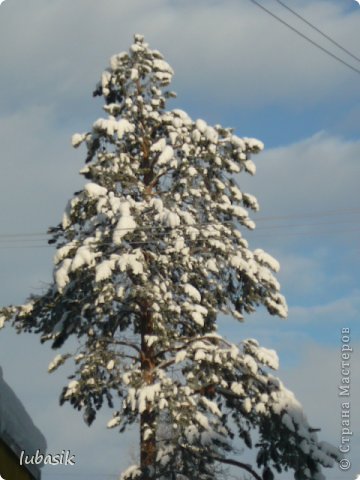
<point x="234" y="65"/>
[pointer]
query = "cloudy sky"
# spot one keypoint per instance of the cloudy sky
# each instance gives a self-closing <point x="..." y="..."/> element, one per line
<point x="236" y="65"/>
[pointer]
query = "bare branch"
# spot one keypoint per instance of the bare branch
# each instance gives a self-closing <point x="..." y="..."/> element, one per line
<point x="122" y="342"/>
<point x="244" y="466"/>
<point x="228" y="461"/>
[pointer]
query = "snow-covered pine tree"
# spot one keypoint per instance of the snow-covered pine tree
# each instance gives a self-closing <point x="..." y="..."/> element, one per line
<point x="149" y="253"/>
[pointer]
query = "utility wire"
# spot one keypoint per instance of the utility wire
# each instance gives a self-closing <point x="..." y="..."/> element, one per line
<point x="307" y="234"/>
<point x="19" y="242"/>
<point x="301" y="225"/>
<point x="18" y="238"/>
<point x="198" y="241"/>
<point x="332" y="213"/>
<point x="356" y="70"/>
<point x="318" y="30"/>
<point x="34" y="236"/>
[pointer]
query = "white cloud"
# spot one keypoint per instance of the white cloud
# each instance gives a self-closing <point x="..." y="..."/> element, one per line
<point x="38" y="169"/>
<point x="233" y="51"/>
<point x="315" y="381"/>
<point x="317" y="174"/>
<point x="39" y="175"/>
<point x="317" y="273"/>
<point x="318" y="323"/>
<point x="329" y="313"/>
<point x="250" y="58"/>
<point x="301" y="273"/>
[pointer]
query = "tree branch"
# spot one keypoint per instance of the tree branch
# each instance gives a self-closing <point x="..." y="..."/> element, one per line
<point x="125" y="343"/>
<point x="244" y="466"/>
<point x="228" y="461"/>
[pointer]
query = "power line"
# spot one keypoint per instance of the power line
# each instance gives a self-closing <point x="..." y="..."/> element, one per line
<point x="38" y="236"/>
<point x="23" y="238"/>
<point x="318" y="30"/>
<point x="19" y="242"/>
<point x="190" y="241"/>
<point x="308" y="234"/>
<point x="301" y="225"/>
<point x="306" y="37"/>
<point x="330" y="213"/>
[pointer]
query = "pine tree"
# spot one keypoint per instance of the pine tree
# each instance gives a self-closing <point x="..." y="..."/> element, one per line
<point x="148" y="255"/>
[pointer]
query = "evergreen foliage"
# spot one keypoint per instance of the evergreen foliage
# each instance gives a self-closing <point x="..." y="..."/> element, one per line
<point x="149" y="253"/>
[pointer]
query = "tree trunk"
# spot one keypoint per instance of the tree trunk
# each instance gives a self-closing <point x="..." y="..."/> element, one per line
<point x="147" y="447"/>
<point x="147" y="418"/>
